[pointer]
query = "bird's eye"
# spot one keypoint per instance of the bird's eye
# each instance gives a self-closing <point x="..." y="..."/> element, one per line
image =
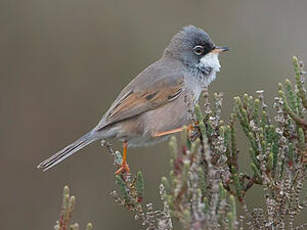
<point x="198" y="50"/>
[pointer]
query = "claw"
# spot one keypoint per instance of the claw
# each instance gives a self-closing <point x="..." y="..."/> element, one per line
<point x="190" y="128"/>
<point x="124" y="168"/>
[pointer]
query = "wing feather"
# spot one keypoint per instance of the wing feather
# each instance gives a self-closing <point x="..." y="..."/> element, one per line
<point x="137" y="101"/>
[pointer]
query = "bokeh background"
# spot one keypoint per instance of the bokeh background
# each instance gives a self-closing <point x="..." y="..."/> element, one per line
<point x="62" y="62"/>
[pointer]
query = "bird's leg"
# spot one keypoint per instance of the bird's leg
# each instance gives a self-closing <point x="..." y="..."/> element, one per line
<point x="124" y="166"/>
<point x="190" y="128"/>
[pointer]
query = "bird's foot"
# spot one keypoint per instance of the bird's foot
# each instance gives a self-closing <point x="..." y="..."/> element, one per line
<point x="191" y="127"/>
<point x="123" y="168"/>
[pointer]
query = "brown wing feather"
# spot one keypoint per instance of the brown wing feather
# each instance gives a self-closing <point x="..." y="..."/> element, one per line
<point x="139" y="101"/>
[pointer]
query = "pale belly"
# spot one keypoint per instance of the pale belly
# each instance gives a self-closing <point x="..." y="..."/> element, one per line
<point x="171" y="116"/>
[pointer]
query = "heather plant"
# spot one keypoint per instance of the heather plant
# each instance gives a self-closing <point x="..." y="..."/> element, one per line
<point x="205" y="179"/>
<point x="68" y="206"/>
<point x="205" y="187"/>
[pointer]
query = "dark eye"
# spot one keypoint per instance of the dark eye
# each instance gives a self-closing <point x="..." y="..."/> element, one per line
<point x="198" y="50"/>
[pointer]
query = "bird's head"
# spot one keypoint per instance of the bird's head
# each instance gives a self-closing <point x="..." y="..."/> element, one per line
<point x="195" y="49"/>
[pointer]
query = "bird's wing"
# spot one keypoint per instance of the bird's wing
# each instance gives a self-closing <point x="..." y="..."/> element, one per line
<point x="143" y="97"/>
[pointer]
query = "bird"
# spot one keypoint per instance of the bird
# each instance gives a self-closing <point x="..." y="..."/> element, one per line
<point x="158" y="102"/>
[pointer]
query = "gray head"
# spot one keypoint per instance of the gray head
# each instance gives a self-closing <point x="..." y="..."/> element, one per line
<point x="196" y="50"/>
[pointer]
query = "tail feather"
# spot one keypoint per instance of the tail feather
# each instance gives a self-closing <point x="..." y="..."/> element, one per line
<point x="66" y="152"/>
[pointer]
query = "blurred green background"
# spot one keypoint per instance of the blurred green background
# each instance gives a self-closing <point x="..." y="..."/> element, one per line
<point x="62" y="63"/>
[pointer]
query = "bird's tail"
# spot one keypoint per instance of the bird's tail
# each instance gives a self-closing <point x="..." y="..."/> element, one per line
<point x="67" y="151"/>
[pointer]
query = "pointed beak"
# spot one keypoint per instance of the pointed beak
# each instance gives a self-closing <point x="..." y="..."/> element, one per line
<point x="220" y="49"/>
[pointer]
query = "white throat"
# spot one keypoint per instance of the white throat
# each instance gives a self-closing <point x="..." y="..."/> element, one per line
<point x="203" y="74"/>
<point x="211" y="60"/>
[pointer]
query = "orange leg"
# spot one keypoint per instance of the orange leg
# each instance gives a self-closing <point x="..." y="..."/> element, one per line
<point x="189" y="128"/>
<point x="168" y="132"/>
<point x="124" y="167"/>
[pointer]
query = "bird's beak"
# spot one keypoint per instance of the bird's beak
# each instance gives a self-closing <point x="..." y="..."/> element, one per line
<point x="220" y="49"/>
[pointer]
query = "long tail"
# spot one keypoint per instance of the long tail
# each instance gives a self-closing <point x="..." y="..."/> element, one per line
<point x="67" y="151"/>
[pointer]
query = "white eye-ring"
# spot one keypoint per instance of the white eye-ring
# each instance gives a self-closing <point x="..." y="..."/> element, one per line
<point x="198" y="50"/>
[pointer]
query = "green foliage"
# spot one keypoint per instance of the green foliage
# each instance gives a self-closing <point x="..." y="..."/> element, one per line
<point x="68" y="206"/>
<point x="139" y="186"/>
<point x="123" y="191"/>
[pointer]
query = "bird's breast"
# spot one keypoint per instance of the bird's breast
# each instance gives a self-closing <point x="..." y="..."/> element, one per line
<point x="194" y="87"/>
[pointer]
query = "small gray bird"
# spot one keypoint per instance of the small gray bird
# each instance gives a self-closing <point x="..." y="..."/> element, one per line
<point x="157" y="103"/>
